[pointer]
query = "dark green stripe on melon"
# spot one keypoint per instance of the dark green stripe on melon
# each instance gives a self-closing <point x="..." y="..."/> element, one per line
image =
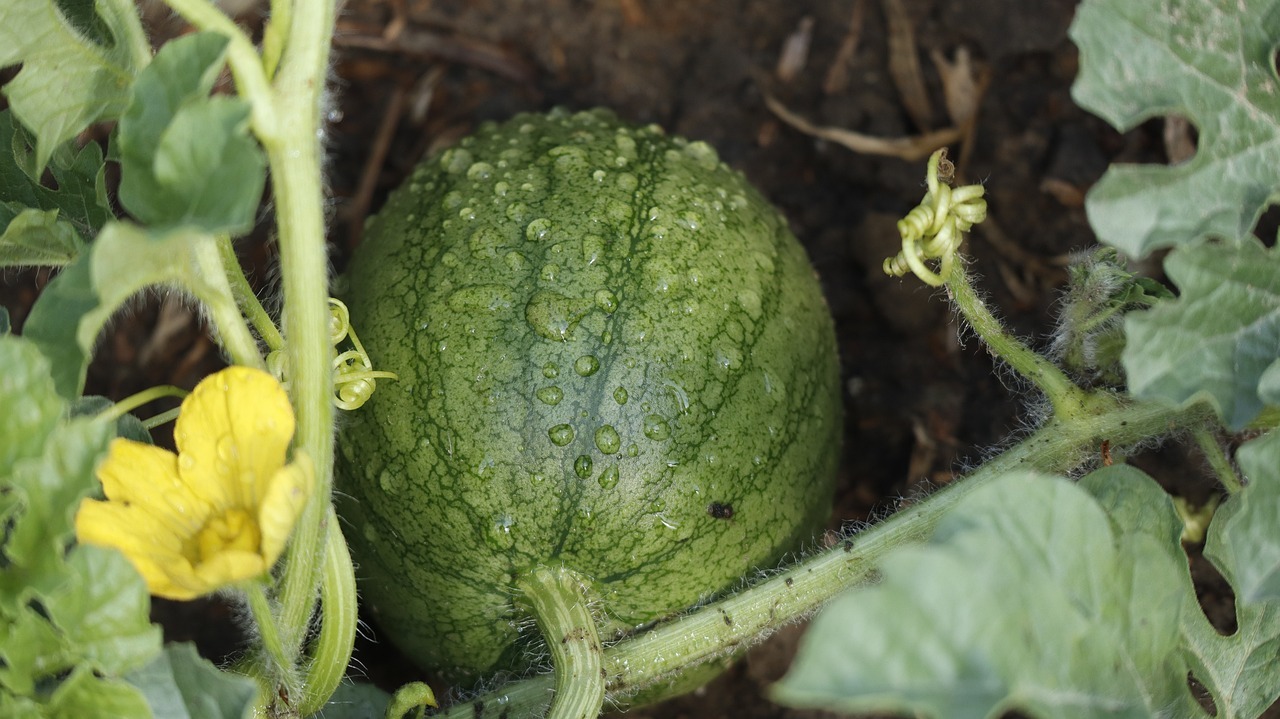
<point x="602" y="334"/>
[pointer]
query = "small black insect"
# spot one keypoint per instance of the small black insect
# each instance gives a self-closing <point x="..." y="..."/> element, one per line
<point x="720" y="511"/>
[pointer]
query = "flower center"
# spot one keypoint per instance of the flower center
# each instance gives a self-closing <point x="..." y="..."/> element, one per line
<point x="233" y="530"/>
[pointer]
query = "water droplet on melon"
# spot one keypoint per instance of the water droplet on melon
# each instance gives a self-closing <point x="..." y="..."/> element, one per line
<point x="633" y="450"/>
<point x="515" y="261"/>
<point x="455" y="160"/>
<point x="498" y="535"/>
<point x="479" y="171"/>
<point x="656" y="428"/>
<point x="626" y="145"/>
<point x="750" y="302"/>
<point x="582" y="466"/>
<point x="617" y="211"/>
<point x="518" y="212"/>
<point x="609" y="477"/>
<point x="689" y="221"/>
<point x="592" y="249"/>
<point x="485" y="242"/>
<point x="607" y="439"/>
<point x="550" y="370"/>
<point x="728" y="358"/>
<point x="703" y="154"/>
<point x="586" y="365"/>
<point x="537" y="229"/>
<point x="389" y="481"/>
<point x="620" y="395"/>
<point x="627" y="182"/>
<point x="553" y="316"/>
<point x="560" y="435"/>
<point x="606" y="301"/>
<point x="550" y="395"/>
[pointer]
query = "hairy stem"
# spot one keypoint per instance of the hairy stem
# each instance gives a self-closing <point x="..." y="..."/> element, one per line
<point x="1217" y="459"/>
<point x="293" y="153"/>
<point x="1068" y="400"/>
<point x="333" y="646"/>
<point x="134" y="401"/>
<point x="242" y="56"/>
<point x="279" y="662"/>
<point x="219" y="302"/>
<point x="246" y="298"/>
<point x="745" y="618"/>
<point x="558" y="599"/>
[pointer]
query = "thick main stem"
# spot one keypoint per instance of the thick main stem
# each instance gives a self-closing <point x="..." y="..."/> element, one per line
<point x="293" y="150"/>
<point x="743" y="619"/>
<point x="559" y="600"/>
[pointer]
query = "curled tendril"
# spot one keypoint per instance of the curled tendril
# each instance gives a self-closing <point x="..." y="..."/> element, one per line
<point x="934" y="229"/>
<point x="354" y="378"/>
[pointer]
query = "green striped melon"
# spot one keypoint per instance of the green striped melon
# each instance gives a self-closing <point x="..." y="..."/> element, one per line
<point x="613" y="356"/>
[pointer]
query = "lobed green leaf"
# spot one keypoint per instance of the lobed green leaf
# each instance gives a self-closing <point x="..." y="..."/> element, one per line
<point x="74" y="307"/>
<point x="80" y="200"/>
<point x="1246" y="542"/>
<point x="1220" y="337"/>
<point x="187" y="159"/>
<point x="54" y="321"/>
<point x="74" y="619"/>
<point x="71" y="75"/>
<point x="36" y="237"/>
<point x="1027" y="598"/>
<point x="29" y="406"/>
<point x="1209" y="60"/>
<point x="179" y="684"/>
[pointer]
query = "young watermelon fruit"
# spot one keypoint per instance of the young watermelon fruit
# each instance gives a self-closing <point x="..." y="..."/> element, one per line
<point x="613" y="357"/>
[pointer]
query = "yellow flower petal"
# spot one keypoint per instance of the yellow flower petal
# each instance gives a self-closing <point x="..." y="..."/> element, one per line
<point x="221" y="510"/>
<point x="232" y="434"/>
<point x="112" y="524"/>
<point x="147" y="477"/>
<point x="143" y="539"/>
<point x="231" y="567"/>
<point x="286" y="496"/>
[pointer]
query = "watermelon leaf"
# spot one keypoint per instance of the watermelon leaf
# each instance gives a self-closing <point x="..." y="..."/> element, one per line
<point x="76" y="618"/>
<point x="71" y="75"/>
<point x="1030" y="597"/>
<point x="1210" y="60"/>
<point x="76" y="305"/>
<point x="187" y="159"/>
<point x="44" y="226"/>
<point x="1220" y="337"/>
<point x="180" y="684"/>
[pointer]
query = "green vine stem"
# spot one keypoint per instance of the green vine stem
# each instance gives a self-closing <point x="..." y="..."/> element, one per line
<point x="286" y="110"/>
<point x="1068" y="400"/>
<point x="293" y="152"/>
<point x="268" y="631"/>
<point x="219" y="302"/>
<point x="246" y="299"/>
<point x="558" y="599"/>
<point x="1217" y="459"/>
<point x="738" y="621"/>
<point x="332" y="651"/>
<point x="134" y="401"/>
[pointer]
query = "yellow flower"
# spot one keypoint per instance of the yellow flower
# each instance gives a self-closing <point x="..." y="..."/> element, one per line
<point x="218" y="512"/>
